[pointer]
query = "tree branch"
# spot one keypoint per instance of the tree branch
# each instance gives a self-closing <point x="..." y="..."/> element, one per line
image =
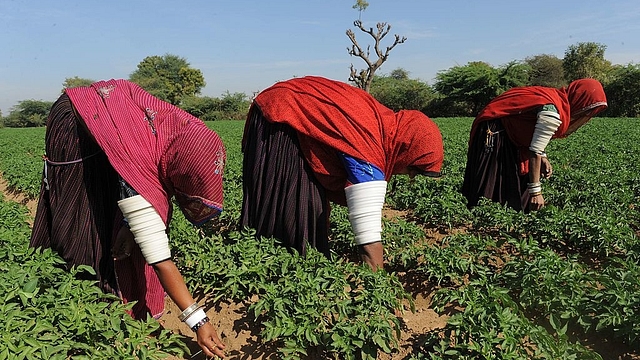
<point x="364" y="78"/>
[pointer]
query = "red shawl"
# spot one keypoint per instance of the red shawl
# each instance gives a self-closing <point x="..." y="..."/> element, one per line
<point x="516" y="108"/>
<point x="332" y="117"/>
<point x="157" y="148"/>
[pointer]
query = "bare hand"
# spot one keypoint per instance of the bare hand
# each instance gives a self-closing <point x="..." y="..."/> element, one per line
<point x="536" y="202"/>
<point x="209" y="341"/>
<point x="546" y="170"/>
<point x="123" y="244"/>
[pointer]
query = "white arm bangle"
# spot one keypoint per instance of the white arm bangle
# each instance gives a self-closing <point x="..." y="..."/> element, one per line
<point x="195" y="317"/>
<point x="534" y="188"/>
<point x="365" y="201"/>
<point x="547" y="124"/>
<point x="147" y="227"/>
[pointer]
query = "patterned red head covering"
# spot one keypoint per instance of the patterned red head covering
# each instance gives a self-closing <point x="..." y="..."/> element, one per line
<point x="515" y="107"/>
<point x="579" y="97"/>
<point x="332" y="116"/>
<point x="585" y="95"/>
<point x="157" y="148"/>
<point x="418" y="143"/>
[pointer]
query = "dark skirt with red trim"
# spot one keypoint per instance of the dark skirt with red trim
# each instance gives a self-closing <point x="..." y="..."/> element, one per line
<point x="281" y="196"/>
<point x="493" y="169"/>
<point x="78" y="216"/>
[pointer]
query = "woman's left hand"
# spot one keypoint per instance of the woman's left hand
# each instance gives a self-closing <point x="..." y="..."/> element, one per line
<point x="536" y="202"/>
<point x="209" y="341"/>
<point x="546" y="170"/>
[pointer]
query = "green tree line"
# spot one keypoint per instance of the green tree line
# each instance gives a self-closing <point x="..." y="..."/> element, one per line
<point x="168" y="77"/>
<point x="458" y="91"/>
<point x="464" y="90"/>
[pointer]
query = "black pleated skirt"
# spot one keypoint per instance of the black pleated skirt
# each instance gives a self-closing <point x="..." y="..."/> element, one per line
<point x="75" y="217"/>
<point x="493" y="169"/>
<point x="281" y="196"/>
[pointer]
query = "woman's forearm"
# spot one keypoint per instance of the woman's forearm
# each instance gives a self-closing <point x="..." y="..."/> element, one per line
<point x="173" y="283"/>
<point x="535" y="161"/>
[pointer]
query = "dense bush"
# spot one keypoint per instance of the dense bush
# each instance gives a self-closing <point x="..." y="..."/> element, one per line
<point x="228" y="107"/>
<point x="28" y="113"/>
<point x="397" y="91"/>
<point x="623" y="92"/>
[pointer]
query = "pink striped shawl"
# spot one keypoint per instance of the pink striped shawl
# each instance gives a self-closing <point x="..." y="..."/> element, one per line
<point x="157" y="148"/>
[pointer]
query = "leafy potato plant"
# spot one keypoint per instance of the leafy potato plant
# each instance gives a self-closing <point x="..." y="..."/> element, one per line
<point x="328" y="307"/>
<point x="515" y="284"/>
<point x="47" y="312"/>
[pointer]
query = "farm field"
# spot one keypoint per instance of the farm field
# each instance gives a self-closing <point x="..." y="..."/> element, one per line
<point x="491" y="283"/>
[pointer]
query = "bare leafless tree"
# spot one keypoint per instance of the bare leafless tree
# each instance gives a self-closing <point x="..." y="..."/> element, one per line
<point x="364" y="77"/>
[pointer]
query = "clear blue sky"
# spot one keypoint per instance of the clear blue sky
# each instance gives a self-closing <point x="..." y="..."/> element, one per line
<point x="245" y="46"/>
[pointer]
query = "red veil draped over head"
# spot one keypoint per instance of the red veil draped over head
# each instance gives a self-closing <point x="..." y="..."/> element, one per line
<point x="157" y="148"/>
<point x="515" y="107"/>
<point x="585" y="95"/>
<point x="331" y="117"/>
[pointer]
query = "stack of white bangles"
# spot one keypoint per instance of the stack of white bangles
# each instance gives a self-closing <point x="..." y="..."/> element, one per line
<point x="194" y="316"/>
<point x="149" y="231"/>
<point x="546" y="125"/>
<point x="365" y="201"/>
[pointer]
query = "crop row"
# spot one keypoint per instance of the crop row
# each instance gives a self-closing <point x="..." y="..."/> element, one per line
<point x="543" y="285"/>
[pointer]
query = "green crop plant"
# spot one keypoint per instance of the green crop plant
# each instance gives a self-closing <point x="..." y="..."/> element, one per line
<point x="516" y="285"/>
<point x="304" y="304"/>
<point x="47" y="312"/>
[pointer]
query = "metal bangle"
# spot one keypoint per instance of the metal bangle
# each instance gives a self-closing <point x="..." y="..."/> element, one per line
<point x="188" y="311"/>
